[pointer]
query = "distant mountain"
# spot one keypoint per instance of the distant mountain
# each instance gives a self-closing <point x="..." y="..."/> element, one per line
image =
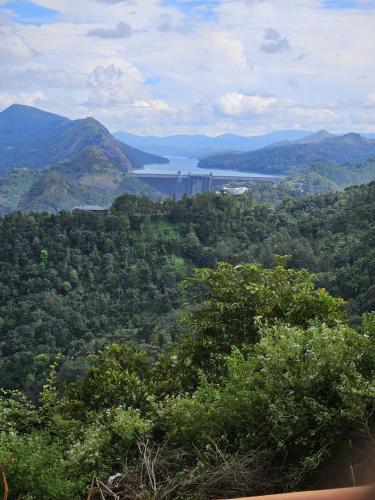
<point x="198" y="146"/>
<point x="316" y="138"/>
<point x="33" y="138"/>
<point x="309" y="139"/>
<point x="284" y="157"/>
<point x="369" y="136"/>
<point x="48" y="162"/>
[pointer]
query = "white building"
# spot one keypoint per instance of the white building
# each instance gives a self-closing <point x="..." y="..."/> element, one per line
<point x="236" y="190"/>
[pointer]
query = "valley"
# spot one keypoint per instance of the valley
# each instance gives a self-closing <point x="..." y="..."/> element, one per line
<point x="187" y="249"/>
<point x="166" y="311"/>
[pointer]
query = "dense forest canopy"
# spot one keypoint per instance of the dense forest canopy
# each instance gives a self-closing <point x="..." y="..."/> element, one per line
<point x="266" y="381"/>
<point x="73" y="282"/>
<point x="125" y="336"/>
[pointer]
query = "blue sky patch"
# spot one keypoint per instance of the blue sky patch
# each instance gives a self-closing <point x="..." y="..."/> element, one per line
<point x="350" y="4"/>
<point x="204" y="9"/>
<point x="28" y="12"/>
<point x="153" y="80"/>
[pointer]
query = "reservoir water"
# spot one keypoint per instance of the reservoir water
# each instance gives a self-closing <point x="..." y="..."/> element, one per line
<point x="185" y="165"/>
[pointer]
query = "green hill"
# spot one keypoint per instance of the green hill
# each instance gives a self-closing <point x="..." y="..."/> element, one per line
<point x="33" y="138"/>
<point x="90" y="179"/>
<point x="285" y="157"/>
<point x="53" y="192"/>
<point x="12" y="186"/>
<point x="93" y="166"/>
<point x="117" y="276"/>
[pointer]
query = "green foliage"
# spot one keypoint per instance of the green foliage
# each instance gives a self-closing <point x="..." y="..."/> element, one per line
<point x="297" y="393"/>
<point x="17" y="413"/>
<point x="35" y="468"/>
<point x="115" y="278"/>
<point x="265" y="383"/>
<point x="119" y="374"/>
<point x="230" y="303"/>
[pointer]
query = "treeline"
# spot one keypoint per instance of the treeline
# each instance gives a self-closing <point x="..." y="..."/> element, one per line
<point x="315" y="179"/>
<point x="73" y="283"/>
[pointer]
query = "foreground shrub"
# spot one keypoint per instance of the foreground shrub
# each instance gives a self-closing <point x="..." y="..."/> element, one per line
<point x="35" y="468"/>
<point x="265" y="383"/>
<point x="228" y="303"/>
<point x="298" y="392"/>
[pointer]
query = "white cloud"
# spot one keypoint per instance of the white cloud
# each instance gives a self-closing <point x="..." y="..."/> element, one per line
<point x="13" y="47"/>
<point x="239" y="104"/>
<point x="181" y="71"/>
<point x="152" y="105"/>
<point x="370" y="100"/>
<point x="113" y="85"/>
<point x="28" y="99"/>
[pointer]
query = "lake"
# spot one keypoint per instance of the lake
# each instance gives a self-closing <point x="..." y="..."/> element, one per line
<point x="186" y="165"/>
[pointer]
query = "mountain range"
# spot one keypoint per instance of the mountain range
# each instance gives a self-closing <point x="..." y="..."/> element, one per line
<point x="200" y="146"/>
<point x="49" y="162"/>
<point x="286" y="156"/>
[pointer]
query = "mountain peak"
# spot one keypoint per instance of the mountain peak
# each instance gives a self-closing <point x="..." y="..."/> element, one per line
<point x="34" y="113"/>
<point x="19" y="107"/>
<point x="35" y="138"/>
<point x="319" y="136"/>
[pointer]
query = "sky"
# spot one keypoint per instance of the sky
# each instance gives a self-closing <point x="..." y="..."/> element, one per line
<point x="193" y="66"/>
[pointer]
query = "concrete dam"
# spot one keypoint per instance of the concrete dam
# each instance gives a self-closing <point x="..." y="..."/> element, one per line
<point x="180" y="183"/>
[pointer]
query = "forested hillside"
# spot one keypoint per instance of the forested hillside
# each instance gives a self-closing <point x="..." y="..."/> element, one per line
<point x="285" y="157"/>
<point x="266" y="383"/>
<point x="50" y="163"/>
<point x="90" y="179"/>
<point x="74" y="282"/>
<point x="315" y="179"/>
<point x="137" y="353"/>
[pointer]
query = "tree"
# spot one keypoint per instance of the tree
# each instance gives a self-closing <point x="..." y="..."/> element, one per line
<point x="230" y="301"/>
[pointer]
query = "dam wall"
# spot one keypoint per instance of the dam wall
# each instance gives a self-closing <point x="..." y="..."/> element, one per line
<point x="181" y="184"/>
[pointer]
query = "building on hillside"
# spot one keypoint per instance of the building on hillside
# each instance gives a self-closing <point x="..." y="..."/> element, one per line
<point x="92" y="208"/>
<point x="236" y="190"/>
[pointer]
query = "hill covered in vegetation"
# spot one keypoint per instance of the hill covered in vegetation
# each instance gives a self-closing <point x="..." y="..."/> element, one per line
<point x="35" y="139"/>
<point x="92" y="166"/>
<point x="287" y="156"/>
<point x="267" y="382"/>
<point x="74" y="282"/>
<point x="138" y="353"/>
<point x="89" y="179"/>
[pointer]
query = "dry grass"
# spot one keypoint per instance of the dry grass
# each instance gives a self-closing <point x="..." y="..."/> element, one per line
<point x="163" y="474"/>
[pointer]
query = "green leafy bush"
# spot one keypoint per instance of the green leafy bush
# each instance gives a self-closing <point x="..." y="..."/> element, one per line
<point x="36" y="468"/>
<point x="297" y="393"/>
